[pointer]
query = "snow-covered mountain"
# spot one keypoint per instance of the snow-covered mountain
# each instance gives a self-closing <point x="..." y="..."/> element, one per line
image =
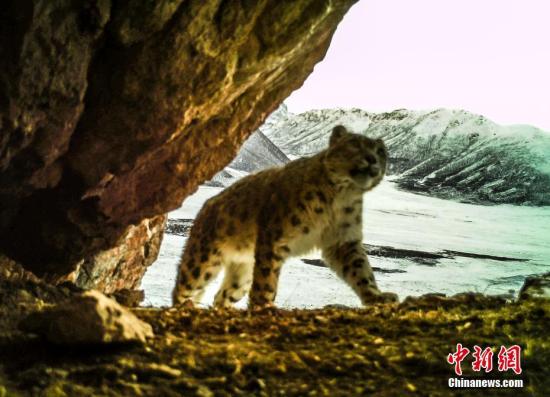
<point x="446" y="153"/>
<point x="257" y="153"/>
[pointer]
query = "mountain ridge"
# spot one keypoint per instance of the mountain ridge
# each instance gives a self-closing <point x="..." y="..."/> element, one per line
<point x="257" y="152"/>
<point x="451" y="154"/>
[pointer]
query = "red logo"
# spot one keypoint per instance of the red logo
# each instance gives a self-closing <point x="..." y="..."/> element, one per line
<point x="458" y="357"/>
<point x="483" y="359"/>
<point x="508" y="358"/>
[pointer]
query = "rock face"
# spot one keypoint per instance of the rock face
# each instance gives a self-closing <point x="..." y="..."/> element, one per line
<point x="123" y="266"/>
<point x="114" y="112"/>
<point x="89" y="318"/>
<point x="13" y="271"/>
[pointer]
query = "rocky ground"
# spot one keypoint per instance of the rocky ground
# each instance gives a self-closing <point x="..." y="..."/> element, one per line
<point x="384" y="350"/>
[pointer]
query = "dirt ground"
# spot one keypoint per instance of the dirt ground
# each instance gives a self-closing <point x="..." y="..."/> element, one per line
<point x="382" y="350"/>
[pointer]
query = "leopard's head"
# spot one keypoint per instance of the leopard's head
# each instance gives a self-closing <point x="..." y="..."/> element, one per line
<point x="355" y="160"/>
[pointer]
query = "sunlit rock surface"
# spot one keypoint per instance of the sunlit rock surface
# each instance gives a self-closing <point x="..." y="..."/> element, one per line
<point x="114" y="112"/>
<point x="123" y="266"/>
<point x="89" y="318"/>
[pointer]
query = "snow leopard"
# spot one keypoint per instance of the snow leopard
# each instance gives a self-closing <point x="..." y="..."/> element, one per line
<point x="253" y="226"/>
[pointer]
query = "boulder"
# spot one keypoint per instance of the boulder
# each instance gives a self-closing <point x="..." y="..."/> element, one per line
<point x="88" y="318"/>
<point x="129" y="297"/>
<point x="536" y="287"/>
<point x="112" y="113"/>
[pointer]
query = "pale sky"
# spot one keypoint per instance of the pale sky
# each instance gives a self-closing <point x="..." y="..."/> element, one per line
<point x="487" y="56"/>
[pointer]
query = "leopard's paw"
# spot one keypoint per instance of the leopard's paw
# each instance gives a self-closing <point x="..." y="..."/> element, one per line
<point x="380" y="297"/>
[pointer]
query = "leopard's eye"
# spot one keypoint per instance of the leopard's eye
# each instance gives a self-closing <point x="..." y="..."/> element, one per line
<point x="370" y="159"/>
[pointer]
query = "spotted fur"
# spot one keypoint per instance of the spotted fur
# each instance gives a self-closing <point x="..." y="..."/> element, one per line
<point x="253" y="226"/>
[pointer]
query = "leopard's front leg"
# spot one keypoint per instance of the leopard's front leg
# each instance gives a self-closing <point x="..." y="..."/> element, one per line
<point x="269" y="258"/>
<point x="349" y="260"/>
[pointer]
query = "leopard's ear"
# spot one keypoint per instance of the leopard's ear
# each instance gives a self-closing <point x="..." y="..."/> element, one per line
<point x="337" y="133"/>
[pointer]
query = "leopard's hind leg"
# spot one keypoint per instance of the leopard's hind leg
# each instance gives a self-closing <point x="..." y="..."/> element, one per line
<point x="237" y="280"/>
<point x="200" y="264"/>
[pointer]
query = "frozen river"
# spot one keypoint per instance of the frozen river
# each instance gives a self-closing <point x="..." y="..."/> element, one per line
<point x="489" y="249"/>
